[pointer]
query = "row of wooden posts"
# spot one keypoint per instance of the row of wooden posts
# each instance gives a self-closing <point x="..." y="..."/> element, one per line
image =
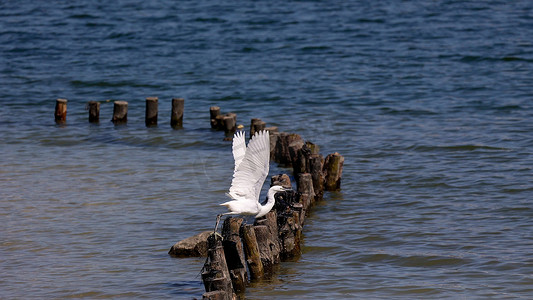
<point x="120" y="112"/>
<point x="251" y="252"/>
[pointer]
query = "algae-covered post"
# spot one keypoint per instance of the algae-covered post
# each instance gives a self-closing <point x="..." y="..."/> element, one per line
<point x="176" y="117"/>
<point x="60" y="113"/>
<point x="333" y="171"/>
<point x="151" y="111"/>
<point x="120" y="112"/>
<point x="94" y="111"/>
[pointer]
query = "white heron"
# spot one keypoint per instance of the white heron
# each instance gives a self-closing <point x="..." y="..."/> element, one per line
<point x="251" y="170"/>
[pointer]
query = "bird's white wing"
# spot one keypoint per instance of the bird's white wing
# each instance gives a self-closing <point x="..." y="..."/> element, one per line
<point x="239" y="148"/>
<point x="251" y="173"/>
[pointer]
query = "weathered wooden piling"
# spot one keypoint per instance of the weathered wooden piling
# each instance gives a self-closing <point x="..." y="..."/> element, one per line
<point x="256" y="125"/>
<point x="305" y="188"/>
<point x="215" y="274"/>
<point x="120" y="112"/>
<point x="214" y="112"/>
<point x="282" y="152"/>
<point x="316" y="162"/>
<point x="294" y="148"/>
<point x="263" y="236"/>
<point x="282" y="179"/>
<point x="251" y="249"/>
<point x="94" y="111"/>
<point x="333" y="171"/>
<point x="60" y="113"/>
<point x="176" y="117"/>
<point x="151" y="111"/>
<point x="270" y="220"/>
<point x="234" y="251"/>
<point x="229" y="124"/>
<point x="289" y="228"/>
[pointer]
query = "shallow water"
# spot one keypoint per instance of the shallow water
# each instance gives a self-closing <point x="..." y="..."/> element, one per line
<point x="429" y="103"/>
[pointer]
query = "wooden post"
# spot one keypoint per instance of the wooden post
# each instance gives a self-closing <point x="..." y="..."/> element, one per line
<point x="305" y="187"/>
<point x="289" y="224"/>
<point x="282" y="179"/>
<point x="214" y="111"/>
<point x="216" y="275"/>
<point x="333" y="171"/>
<point x="313" y="147"/>
<point x="301" y="161"/>
<point x="151" y="111"/>
<point x="270" y="220"/>
<point x="60" y="113"/>
<point x="176" y="117"/>
<point x="262" y="234"/>
<point x="256" y="125"/>
<point x="282" y="153"/>
<point x="274" y="140"/>
<point x="120" y="112"/>
<point x="294" y="148"/>
<point x="94" y="111"/>
<point x="234" y="252"/>
<point x="316" y="162"/>
<point x="251" y="249"/>
<point x="229" y="124"/>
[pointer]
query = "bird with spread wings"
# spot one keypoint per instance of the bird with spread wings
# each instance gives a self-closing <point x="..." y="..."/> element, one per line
<point x="251" y="169"/>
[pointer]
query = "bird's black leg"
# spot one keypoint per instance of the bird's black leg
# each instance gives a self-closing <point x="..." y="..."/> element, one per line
<point x="216" y="225"/>
<point x="218" y="221"/>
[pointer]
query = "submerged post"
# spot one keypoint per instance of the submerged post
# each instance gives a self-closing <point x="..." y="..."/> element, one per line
<point x="61" y="111"/>
<point x="94" y="111"/>
<point x="151" y="111"/>
<point x="176" y="117"/>
<point x="120" y="112"/>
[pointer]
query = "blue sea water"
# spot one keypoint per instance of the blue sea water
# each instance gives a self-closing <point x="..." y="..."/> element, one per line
<point x="430" y="103"/>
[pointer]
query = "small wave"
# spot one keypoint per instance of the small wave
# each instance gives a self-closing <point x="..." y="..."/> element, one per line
<point x="477" y="58"/>
<point x="209" y="20"/>
<point x="314" y="48"/>
<point x="422" y="261"/>
<point x="459" y="148"/>
<point x="367" y="20"/>
<point x="411" y="112"/>
<point x="82" y="16"/>
<point x="100" y="83"/>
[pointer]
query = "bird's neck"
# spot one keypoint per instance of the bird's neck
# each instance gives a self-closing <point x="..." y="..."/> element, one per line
<point x="268" y="206"/>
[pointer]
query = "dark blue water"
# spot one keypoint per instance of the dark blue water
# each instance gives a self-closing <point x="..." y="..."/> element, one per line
<point x="431" y="104"/>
